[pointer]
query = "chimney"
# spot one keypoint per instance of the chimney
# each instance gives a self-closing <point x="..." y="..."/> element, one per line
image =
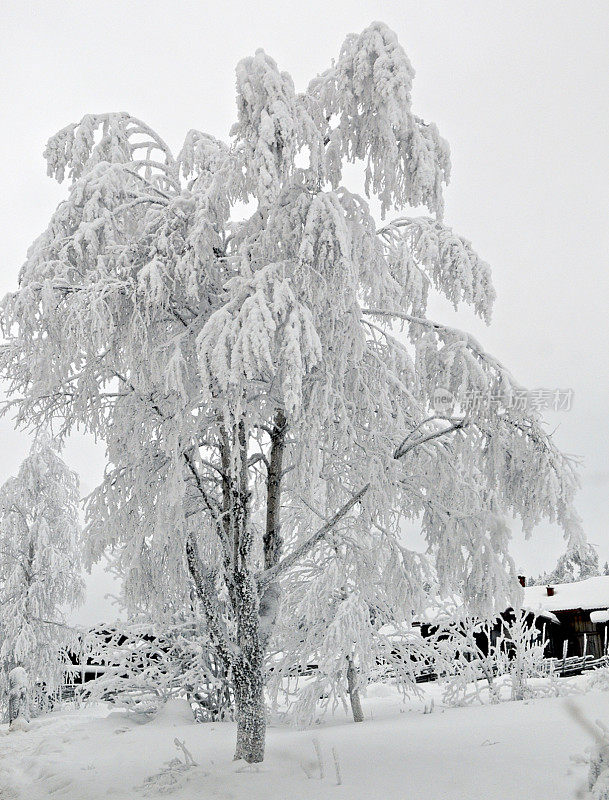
<point x="550" y="591"/>
<point x="522" y="580"/>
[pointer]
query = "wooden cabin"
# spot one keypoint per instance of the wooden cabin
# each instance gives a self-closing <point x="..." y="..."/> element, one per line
<point x="576" y="613"/>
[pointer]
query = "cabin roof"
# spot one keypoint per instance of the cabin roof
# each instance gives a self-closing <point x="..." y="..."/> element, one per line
<point x="592" y="593"/>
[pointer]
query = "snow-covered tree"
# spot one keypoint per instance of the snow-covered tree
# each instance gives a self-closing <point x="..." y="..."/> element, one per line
<point x="40" y="567"/>
<point x="243" y="368"/>
<point x="575" y="564"/>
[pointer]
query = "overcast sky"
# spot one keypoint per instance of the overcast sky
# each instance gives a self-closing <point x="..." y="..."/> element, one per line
<point x="520" y="89"/>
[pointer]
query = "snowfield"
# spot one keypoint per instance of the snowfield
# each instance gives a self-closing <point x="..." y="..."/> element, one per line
<point x="512" y="750"/>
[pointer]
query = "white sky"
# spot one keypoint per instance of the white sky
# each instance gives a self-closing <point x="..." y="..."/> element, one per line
<point x="520" y="90"/>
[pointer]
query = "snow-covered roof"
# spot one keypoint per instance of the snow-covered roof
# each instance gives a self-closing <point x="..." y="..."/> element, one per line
<point x="593" y="593"/>
<point x="411" y="635"/>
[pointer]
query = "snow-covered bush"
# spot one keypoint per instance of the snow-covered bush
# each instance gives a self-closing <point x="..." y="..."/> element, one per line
<point x="146" y="664"/>
<point x="598" y="771"/>
<point x="598" y="679"/>
<point x="596" y="756"/>
<point x="18" y="704"/>
<point x="468" y="655"/>
<point x="524" y="648"/>
<point x="477" y="658"/>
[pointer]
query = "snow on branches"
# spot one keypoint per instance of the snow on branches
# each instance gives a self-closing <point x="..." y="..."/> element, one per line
<point x="344" y="612"/>
<point x="264" y="335"/>
<point x="245" y="371"/>
<point x="143" y="664"/>
<point x="368" y="91"/>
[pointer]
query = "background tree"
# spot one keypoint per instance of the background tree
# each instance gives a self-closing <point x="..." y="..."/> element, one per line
<point x="241" y="365"/>
<point x="40" y="567"/>
<point x="575" y="564"/>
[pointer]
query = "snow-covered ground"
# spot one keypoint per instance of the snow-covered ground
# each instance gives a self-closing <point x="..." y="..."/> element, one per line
<point x="512" y="750"/>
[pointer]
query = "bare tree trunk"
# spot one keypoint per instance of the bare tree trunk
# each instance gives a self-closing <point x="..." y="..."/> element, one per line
<point x="352" y="687"/>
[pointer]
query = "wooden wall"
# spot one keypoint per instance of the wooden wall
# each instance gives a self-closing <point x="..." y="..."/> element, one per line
<point x="574" y="625"/>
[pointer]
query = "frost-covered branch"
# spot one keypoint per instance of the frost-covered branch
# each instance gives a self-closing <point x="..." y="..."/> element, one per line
<point x="407" y="445"/>
<point x="464" y="339"/>
<point x="271" y="574"/>
<point x="205" y="585"/>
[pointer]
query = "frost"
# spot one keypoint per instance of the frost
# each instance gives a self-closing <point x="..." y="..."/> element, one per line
<point x="228" y="322"/>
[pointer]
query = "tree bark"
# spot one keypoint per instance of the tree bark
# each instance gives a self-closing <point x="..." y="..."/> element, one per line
<point x="256" y="610"/>
<point x="352" y="688"/>
<point x="251" y="713"/>
<point x="272" y="541"/>
<point x="248" y="673"/>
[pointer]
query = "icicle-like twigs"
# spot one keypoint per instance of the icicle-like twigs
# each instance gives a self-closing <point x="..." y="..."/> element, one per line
<point x="320" y="761"/>
<point x="188" y="759"/>
<point x="339" y="779"/>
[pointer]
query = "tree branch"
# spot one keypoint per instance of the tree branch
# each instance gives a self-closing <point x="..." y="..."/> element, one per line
<point x="404" y="448"/>
<point x="205" y="587"/>
<point x="211" y="504"/>
<point x="470" y="342"/>
<point x="271" y="574"/>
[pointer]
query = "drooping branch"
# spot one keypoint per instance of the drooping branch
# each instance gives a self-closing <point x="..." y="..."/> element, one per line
<point x="470" y="342"/>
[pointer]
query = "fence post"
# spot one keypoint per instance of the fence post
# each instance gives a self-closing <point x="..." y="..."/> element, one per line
<point x="585" y="649"/>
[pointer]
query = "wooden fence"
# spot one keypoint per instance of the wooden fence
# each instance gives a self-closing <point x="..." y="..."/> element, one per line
<point x="574" y="665"/>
